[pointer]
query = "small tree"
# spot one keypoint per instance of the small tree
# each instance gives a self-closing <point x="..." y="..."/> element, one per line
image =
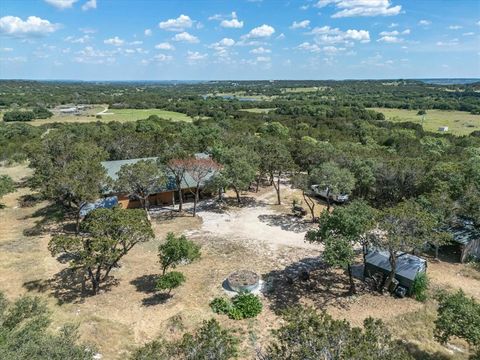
<point x="175" y="250"/>
<point x="107" y="235"/>
<point x="6" y="186"/>
<point x="307" y="334"/>
<point x="459" y="316"/>
<point x="333" y="179"/>
<point x="199" y="170"/>
<point x="340" y="230"/>
<point x="303" y="182"/>
<point x="170" y="281"/>
<point x="140" y="180"/>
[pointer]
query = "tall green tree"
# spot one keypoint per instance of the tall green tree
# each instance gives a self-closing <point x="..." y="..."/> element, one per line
<point x="140" y="179"/>
<point x="334" y="179"/>
<point x="341" y="230"/>
<point x="106" y="236"/>
<point x="68" y="172"/>
<point x="176" y="250"/>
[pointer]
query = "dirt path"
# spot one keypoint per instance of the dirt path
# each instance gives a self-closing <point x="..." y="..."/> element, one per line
<point x="258" y="223"/>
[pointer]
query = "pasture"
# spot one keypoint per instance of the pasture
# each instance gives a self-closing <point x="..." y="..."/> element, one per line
<point x="121" y="115"/>
<point x="458" y="122"/>
<point x="259" y="110"/>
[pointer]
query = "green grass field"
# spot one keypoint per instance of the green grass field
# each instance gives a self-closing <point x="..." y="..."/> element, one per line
<point x="259" y="111"/>
<point x="458" y="122"/>
<point x="304" y="89"/>
<point x="121" y="115"/>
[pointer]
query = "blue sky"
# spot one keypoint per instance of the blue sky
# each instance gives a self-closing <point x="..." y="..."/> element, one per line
<point x="238" y="39"/>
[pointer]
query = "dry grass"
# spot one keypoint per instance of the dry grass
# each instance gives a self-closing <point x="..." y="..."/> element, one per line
<point x="458" y="122"/>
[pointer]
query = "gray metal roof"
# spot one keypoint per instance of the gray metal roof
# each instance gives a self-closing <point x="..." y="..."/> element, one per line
<point x="113" y="167"/>
<point x="464" y="232"/>
<point x="407" y="265"/>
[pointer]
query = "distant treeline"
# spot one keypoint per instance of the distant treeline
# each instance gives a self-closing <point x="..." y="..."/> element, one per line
<point x="27" y="115"/>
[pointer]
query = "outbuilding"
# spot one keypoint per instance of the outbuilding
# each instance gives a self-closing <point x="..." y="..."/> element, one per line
<point x="408" y="266"/>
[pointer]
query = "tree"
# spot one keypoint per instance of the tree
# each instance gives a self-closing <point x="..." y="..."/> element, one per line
<point x="334" y="179"/>
<point x="309" y="335"/>
<point x="303" y="182"/>
<point x="209" y="342"/>
<point x="459" y="316"/>
<point x="340" y="230"/>
<point x="404" y="228"/>
<point x="275" y="160"/>
<point x="6" y="186"/>
<point x="176" y="250"/>
<point x="170" y="281"/>
<point x="364" y="175"/>
<point x="68" y="172"/>
<point x="140" y="179"/>
<point x="25" y="333"/>
<point x="107" y="235"/>
<point x="239" y="167"/>
<point x="199" y="170"/>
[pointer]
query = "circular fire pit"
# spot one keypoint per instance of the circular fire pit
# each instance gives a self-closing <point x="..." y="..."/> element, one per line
<point x="243" y="280"/>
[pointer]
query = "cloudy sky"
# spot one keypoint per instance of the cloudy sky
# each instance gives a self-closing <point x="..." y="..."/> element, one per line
<point x="238" y="39"/>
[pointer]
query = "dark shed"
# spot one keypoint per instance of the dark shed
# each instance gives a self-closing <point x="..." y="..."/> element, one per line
<point x="408" y="266"/>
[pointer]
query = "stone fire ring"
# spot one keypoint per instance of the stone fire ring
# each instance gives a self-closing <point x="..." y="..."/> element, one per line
<point x="243" y="280"/>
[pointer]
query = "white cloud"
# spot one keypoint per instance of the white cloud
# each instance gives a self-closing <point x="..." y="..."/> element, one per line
<point x="280" y="37"/>
<point x="263" y="58"/>
<point x="390" y="39"/>
<point x="90" y="4"/>
<point x="88" y="30"/>
<point x="452" y="42"/>
<point x="233" y="23"/>
<point x="351" y="8"/>
<point x="424" y="22"/>
<point x="263" y="31"/>
<point x="179" y="24"/>
<point x="328" y="35"/>
<point x="89" y="55"/>
<point x="136" y="42"/>
<point x="468" y="33"/>
<point x="15" y="59"/>
<point x="222" y="47"/>
<point x="165" y="46"/>
<point x="406" y="32"/>
<point x="196" y="56"/>
<point x="300" y="25"/>
<point x="147" y="32"/>
<point x="455" y="27"/>
<point x="389" y="33"/>
<point x="61" y="4"/>
<point x="260" y="50"/>
<point x="306" y="46"/>
<point x="32" y="27"/>
<point x="392" y="25"/>
<point x="162" y="58"/>
<point x="6" y="49"/>
<point x="79" y="40"/>
<point x="186" y="37"/>
<point x="115" y="41"/>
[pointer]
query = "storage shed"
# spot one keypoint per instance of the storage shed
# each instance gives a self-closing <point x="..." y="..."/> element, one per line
<point x="467" y="236"/>
<point x="408" y="266"/>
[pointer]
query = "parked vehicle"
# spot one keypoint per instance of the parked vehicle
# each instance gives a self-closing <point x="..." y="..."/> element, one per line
<point x="339" y="198"/>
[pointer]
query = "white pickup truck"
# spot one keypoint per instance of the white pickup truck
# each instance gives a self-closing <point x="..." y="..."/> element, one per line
<point x="339" y="198"/>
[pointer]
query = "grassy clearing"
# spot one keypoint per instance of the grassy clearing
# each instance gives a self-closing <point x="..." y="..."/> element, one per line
<point x="259" y="111"/>
<point x="458" y="122"/>
<point x="121" y="115"/>
<point x="304" y="89"/>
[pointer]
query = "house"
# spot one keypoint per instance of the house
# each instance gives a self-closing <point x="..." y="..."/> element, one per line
<point x="408" y="266"/>
<point x="443" y="128"/>
<point x="166" y="195"/>
<point x="467" y="236"/>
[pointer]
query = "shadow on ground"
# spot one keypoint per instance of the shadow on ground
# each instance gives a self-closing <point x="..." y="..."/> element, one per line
<point x="309" y="280"/>
<point x="68" y="286"/>
<point x="286" y="222"/>
<point x="146" y="284"/>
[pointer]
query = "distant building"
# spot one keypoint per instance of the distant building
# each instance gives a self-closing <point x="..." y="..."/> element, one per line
<point x="467" y="236"/>
<point x="70" y="110"/>
<point x="443" y="128"/>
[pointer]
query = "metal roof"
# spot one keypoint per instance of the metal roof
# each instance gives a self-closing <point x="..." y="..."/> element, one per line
<point x="464" y="232"/>
<point x="407" y="265"/>
<point x="113" y="167"/>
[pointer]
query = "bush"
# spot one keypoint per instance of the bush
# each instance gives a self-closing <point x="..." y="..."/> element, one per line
<point x="17" y="115"/>
<point x="220" y="305"/>
<point x="42" y="113"/>
<point x="248" y="304"/>
<point x="170" y="281"/>
<point x="420" y="287"/>
<point x="242" y="306"/>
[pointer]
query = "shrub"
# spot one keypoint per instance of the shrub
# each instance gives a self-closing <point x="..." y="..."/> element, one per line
<point x="170" y="281"/>
<point x="248" y="305"/>
<point x="17" y="115"/>
<point x="220" y="305"/>
<point x="420" y="287"/>
<point x="242" y="306"/>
